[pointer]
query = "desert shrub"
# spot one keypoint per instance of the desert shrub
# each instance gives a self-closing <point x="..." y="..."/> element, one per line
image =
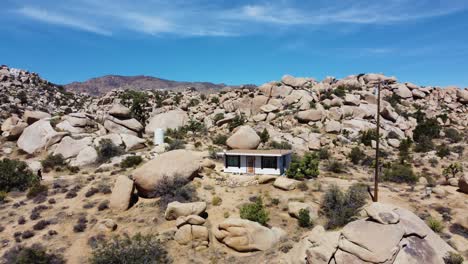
<point x="335" y="166"/>
<point x="443" y="151"/>
<point x="21" y="220"/>
<point x="426" y="129"/>
<point x="275" y="201"/>
<point x="255" y="212"/>
<point x="323" y="153"/>
<point x="394" y="100"/>
<point x="193" y="102"/>
<point x="368" y="136"/>
<point x="459" y="149"/>
<point x="107" y="150"/>
<point x="3" y="196"/>
<point x="433" y="162"/>
<point x="15" y="175"/>
<point x="400" y="173"/>
<point x="36" y="189"/>
<point x="453" y="135"/>
<point x="340" y="91"/>
<point x="404" y="150"/>
<point x="91" y="191"/>
<point x="304" y="218"/>
<point x="341" y="208"/>
<point x="130" y="250"/>
<point x="131" y="161"/>
<point x="81" y="225"/>
<point x="175" y="189"/>
<point x="53" y="161"/>
<point x="280" y="145"/>
<point x="216" y="200"/>
<point x="435" y="224"/>
<point x="27" y="234"/>
<point x="176" y="144"/>
<point x="238" y="120"/>
<point x="220" y="139"/>
<point x="73" y="169"/>
<point x="41" y="225"/>
<point x="424" y="144"/>
<point x="306" y="167"/>
<point x="264" y="136"/>
<point x="217" y="117"/>
<point x="212" y="152"/>
<point x="452" y="170"/>
<point x="103" y="205"/>
<point x="214" y="100"/>
<point x="36" y="253"/>
<point x="356" y="155"/>
<point x="453" y="258"/>
<point x="302" y="186"/>
<point x="138" y="102"/>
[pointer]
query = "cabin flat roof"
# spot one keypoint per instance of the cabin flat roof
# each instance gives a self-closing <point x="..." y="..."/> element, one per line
<point x="257" y="152"/>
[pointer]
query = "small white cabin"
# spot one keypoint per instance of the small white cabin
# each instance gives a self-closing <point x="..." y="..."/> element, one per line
<point x="247" y="161"/>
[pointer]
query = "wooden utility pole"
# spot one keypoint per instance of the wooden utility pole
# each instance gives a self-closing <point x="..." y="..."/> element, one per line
<point x="375" y="197"/>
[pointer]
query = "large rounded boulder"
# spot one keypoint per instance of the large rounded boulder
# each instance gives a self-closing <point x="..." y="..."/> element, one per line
<point x="171" y="119"/>
<point x="166" y="167"/>
<point x="244" y="137"/>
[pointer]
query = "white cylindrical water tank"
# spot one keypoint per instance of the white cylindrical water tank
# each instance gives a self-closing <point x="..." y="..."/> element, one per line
<point x="158" y="136"/>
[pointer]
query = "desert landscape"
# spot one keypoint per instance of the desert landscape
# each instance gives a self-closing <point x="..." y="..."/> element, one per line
<point x="84" y="180"/>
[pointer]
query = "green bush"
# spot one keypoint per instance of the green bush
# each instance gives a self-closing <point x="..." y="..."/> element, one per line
<point x="220" y="140"/>
<point x="405" y="150"/>
<point x="238" y="120"/>
<point x="304" y="218"/>
<point x="107" y="150"/>
<point x="138" y="102"/>
<point x="131" y="161"/>
<point x="368" y="136"/>
<point x="443" y="151"/>
<point x="217" y="117"/>
<point x="3" y="196"/>
<point x="15" y="175"/>
<point x="176" y="144"/>
<point x="36" y="189"/>
<point x="453" y="258"/>
<point x="306" y="167"/>
<point x="324" y="153"/>
<point x="280" y="145"/>
<point x="356" y="155"/>
<point x="435" y="224"/>
<point x="193" y="102"/>
<point x="214" y="100"/>
<point x="216" y="200"/>
<point x="400" y="173"/>
<point x="341" y="208"/>
<point x="427" y="128"/>
<point x="53" y="161"/>
<point x="36" y="253"/>
<point x="452" y="170"/>
<point x="175" y="189"/>
<point x="255" y="212"/>
<point x="453" y="135"/>
<point x="130" y="250"/>
<point x="264" y="136"/>
<point x="335" y="166"/>
<point x="424" y="144"/>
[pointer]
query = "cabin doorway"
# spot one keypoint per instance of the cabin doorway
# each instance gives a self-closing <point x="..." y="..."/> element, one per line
<point x="251" y="164"/>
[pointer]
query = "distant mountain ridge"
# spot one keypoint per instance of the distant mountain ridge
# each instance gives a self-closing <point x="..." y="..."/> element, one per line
<point x="101" y="85"/>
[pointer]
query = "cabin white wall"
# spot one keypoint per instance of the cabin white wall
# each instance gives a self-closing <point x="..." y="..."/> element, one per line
<point x="242" y="169"/>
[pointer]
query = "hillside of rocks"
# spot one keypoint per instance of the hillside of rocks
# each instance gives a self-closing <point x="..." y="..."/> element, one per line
<point x="103" y="176"/>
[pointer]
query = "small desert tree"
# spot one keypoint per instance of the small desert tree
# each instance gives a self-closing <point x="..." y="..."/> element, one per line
<point x="452" y="170"/>
<point x="306" y="167"/>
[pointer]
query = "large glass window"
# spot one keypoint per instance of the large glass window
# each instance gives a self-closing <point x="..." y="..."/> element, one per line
<point x="233" y="161"/>
<point x="269" y="163"/>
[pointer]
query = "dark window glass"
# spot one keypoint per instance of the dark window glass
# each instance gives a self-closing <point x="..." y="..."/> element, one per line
<point x="269" y="163"/>
<point x="233" y="161"/>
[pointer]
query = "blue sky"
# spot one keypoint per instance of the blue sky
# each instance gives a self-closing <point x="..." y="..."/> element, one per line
<point x="235" y="42"/>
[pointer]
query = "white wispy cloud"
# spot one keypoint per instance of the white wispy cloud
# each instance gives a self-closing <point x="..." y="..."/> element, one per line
<point x="213" y="18"/>
<point x="60" y="19"/>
